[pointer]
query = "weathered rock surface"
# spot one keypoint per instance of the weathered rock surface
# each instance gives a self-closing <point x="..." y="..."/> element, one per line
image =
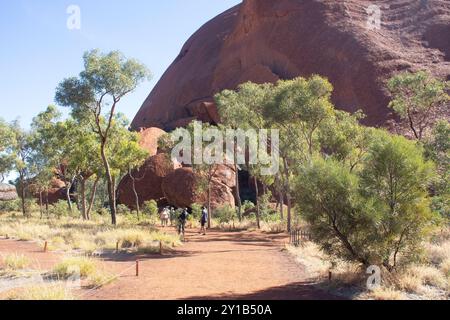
<point x="179" y="188"/>
<point x="148" y="139"/>
<point x="266" y="40"/>
<point x="148" y="181"/>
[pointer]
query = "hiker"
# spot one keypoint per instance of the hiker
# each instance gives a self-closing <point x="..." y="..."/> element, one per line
<point x="172" y="215"/>
<point x="164" y="216"/>
<point x="204" y="220"/>
<point x="182" y="221"/>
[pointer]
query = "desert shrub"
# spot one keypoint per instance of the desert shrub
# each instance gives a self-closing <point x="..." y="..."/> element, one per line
<point x="68" y="267"/>
<point x="196" y="211"/>
<point x="225" y="214"/>
<point x="268" y="214"/>
<point x="247" y="205"/>
<point x="16" y="262"/>
<point x="103" y="212"/>
<point x="55" y="292"/>
<point x="61" y="209"/>
<point x="10" y="206"/>
<point x="150" y="208"/>
<point x="384" y="203"/>
<point x="30" y="205"/>
<point x="123" y="209"/>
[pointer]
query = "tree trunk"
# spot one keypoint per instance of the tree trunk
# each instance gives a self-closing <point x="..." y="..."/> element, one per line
<point x="111" y="191"/>
<point x="92" y="198"/>
<point x="289" y="214"/>
<point x="46" y="201"/>
<point x="209" y="204"/>
<point x="136" y="196"/>
<point x="288" y="196"/>
<point x="238" y="193"/>
<point x="69" y="201"/>
<point x="22" y="195"/>
<point x="41" y="209"/>
<point x="258" y="223"/>
<point x="83" y="198"/>
<point x="281" y="200"/>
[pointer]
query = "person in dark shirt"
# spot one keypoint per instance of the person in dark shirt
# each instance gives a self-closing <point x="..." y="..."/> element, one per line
<point x="182" y="218"/>
<point x="204" y="220"/>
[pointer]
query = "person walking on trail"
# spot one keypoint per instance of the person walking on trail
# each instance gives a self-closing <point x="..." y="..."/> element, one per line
<point x="164" y="216"/>
<point x="172" y="215"/>
<point x="204" y="220"/>
<point x="182" y="221"/>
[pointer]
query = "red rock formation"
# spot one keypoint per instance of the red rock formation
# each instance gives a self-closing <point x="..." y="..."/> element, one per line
<point x="266" y="40"/>
<point x="148" y="139"/>
<point x="148" y="181"/>
<point x="179" y="188"/>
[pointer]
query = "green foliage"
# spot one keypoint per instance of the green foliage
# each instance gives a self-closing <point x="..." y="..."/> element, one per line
<point x="373" y="215"/>
<point x="6" y="147"/>
<point x="225" y="214"/>
<point x="94" y="97"/>
<point x="150" y="208"/>
<point x="267" y="213"/>
<point x="123" y="209"/>
<point x="437" y="148"/>
<point x="416" y="97"/>
<point x="60" y="209"/>
<point x="196" y="211"/>
<point x="10" y="206"/>
<point x="247" y="205"/>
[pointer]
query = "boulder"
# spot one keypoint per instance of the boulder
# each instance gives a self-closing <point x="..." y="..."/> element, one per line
<point x="148" y="139"/>
<point x="266" y="40"/>
<point x="179" y="188"/>
<point x="7" y="192"/>
<point x="148" y="181"/>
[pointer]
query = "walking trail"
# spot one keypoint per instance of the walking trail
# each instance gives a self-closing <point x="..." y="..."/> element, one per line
<point x="220" y="265"/>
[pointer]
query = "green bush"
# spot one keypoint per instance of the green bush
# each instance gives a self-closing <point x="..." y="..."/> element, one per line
<point x="123" y="209"/>
<point x="10" y="206"/>
<point x="196" y="211"/>
<point x="225" y="214"/>
<point x="150" y="208"/>
<point x="246" y="205"/>
<point x="372" y="215"/>
<point x="61" y="209"/>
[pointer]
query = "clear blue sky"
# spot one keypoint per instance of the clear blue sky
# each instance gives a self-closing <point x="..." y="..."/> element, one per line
<point x="38" y="50"/>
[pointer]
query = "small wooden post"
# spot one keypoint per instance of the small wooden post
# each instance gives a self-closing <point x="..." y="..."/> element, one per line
<point x="137" y="268"/>
<point x="117" y="247"/>
<point x="160" y="247"/>
<point x="45" y="246"/>
<point x="330" y="275"/>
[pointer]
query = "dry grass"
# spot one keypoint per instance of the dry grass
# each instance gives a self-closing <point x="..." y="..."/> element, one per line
<point x="312" y="258"/>
<point x="384" y="293"/>
<point x="428" y="280"/>
<point x="67" y="234"/>
<point x="42" y="292"/>
<point x="15" y="262"/>
<point x="70" y="266"/>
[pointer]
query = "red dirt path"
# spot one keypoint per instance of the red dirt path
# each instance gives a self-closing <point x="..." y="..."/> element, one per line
<point x="221" y="265"/>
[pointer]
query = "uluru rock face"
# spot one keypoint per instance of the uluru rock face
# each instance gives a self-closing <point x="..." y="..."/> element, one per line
<point x="266" y="40"/>
<point x="148" y="181"/>
<point x="179" y="188"/>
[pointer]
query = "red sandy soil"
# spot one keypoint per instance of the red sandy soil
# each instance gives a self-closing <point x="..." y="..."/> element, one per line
<point x="220" y="265"/>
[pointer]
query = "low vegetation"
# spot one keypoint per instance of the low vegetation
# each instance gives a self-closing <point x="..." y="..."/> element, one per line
<point x="70" y="234"/>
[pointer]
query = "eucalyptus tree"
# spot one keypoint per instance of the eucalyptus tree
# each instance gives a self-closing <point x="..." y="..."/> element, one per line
<point x="298" y="108"/>
<point x="99" y="88"/>
<point x="416" y="98"/>
<point x="243" y="110"/>
<point x="21" y="151"/>
<point x="125" y="154"/>
<point x="6" y="144"/>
